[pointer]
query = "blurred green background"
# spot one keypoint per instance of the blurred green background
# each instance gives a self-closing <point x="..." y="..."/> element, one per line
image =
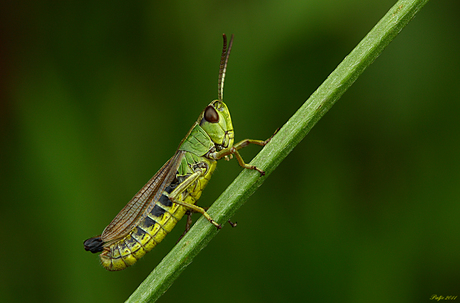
<point x="96" y="96"/>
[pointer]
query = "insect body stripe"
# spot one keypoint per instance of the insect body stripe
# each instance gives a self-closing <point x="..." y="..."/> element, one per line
<point x="157" y="211"/>
<point x="165" y="201"/>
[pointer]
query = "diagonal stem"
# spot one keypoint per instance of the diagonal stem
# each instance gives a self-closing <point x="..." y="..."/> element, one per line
<point x="281" y="145"/>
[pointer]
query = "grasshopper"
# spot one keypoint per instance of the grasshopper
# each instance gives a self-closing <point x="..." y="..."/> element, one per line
<point x="173" y="191"/>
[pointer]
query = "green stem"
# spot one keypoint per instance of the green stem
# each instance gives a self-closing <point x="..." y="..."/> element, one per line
<point x="162" y="277"/>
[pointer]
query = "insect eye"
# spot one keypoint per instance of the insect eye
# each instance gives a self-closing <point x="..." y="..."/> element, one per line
<point x="211" y="115"/>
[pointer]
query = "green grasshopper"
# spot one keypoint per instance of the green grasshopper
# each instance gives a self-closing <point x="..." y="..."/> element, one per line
<point x="174" y="189"/>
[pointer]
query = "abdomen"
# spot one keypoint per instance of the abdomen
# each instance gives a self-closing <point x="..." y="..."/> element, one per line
<point x="159" y="221"/>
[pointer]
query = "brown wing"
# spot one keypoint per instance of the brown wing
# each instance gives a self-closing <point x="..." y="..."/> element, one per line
<point x="132" y="213"/>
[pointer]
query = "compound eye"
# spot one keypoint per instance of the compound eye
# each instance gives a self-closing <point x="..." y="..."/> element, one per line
<point x="211" y="115"/>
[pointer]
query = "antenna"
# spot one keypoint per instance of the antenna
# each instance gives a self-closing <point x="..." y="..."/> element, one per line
<point x="223" y="66"/>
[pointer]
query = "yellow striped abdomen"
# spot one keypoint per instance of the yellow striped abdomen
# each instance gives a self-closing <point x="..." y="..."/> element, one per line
<point x="154" y="227"/>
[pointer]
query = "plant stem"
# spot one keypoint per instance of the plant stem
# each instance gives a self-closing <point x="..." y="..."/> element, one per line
<point x="162" y="277"/>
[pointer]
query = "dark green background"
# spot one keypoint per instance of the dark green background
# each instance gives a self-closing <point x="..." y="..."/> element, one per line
<point x="96" y="97"/>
